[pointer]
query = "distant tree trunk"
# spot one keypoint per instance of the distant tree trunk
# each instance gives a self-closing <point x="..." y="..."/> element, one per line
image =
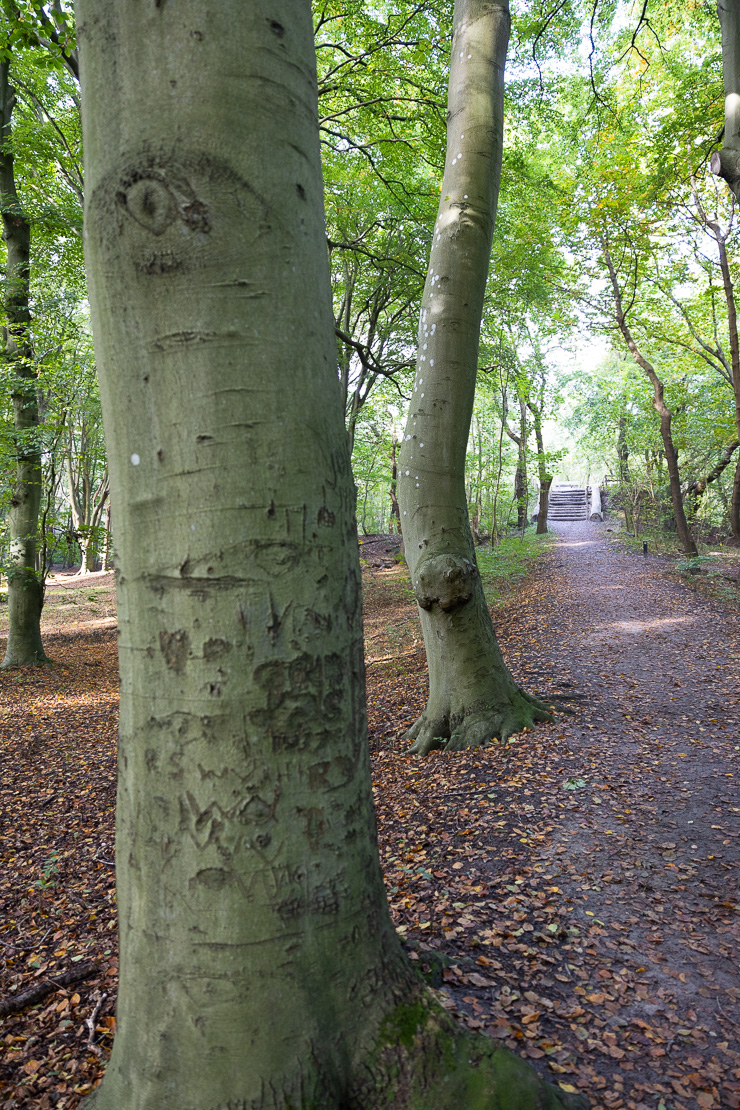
<point x="521" y="492"/>
<point x="546" y="479"/>
<point x="476" y="497"/>
<point x="395" y="512"/>
<point x="472" y="697"/>
<point x="495" y="530"/>
<point x="698" y="489"/>
<point x="108" y="545"/>
<point x="684" y="534"/>
<point x="720" y="236"/>
<point x="86" y="502"/>
<point x="625" y="480"/>
<point x="25" y="583"/>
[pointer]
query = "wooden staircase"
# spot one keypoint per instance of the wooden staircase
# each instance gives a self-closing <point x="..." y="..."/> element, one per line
<point x="567" y="502"/>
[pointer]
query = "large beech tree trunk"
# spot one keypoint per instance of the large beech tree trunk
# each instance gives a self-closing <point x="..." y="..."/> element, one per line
<point x="473" y="698"/>
<point x="25" y="584"/>
<point x="259" y="966"/>
<point x="666" y="416"/>
<point x="726" y="162"/>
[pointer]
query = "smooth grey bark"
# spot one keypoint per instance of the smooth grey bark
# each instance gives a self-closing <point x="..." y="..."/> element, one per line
<point x="725" y="163"/>
<point x="259" y="966"/>
<point x="473" y="699"/>
<point x="25" y="583"/>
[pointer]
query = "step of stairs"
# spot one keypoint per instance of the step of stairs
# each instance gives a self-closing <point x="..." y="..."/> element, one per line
<point x="567" y="503"/>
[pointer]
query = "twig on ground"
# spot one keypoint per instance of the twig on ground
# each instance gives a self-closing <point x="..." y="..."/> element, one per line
<point x="39" y="991"/>
<point x="25" y="947"/>
<point x="90" y="1023"/>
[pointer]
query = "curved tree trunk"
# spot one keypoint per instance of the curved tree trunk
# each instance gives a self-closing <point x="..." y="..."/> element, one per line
<point x="25" y="584"/>
<point x="473" y="699"/>
<point x="259" y="965"/>
<point x="734" y="344"/>
<point x="684" y="533"/>
<point x="698" y="489"/>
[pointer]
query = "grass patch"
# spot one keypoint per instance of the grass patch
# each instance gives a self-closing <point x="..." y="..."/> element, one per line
<point x="659" y="543"/>
<point x="504" y="568"/>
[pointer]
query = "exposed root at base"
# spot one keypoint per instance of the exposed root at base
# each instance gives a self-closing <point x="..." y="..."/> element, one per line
<point x="434" y="1064"/>
<point x="476" y="727"/>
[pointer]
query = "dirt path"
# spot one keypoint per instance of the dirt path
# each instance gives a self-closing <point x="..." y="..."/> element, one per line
<point x="594" y="888"/>
<point x="656" y="829"/>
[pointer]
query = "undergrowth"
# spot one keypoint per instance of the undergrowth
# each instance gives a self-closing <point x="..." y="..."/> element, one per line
<point x="504" y="567"/>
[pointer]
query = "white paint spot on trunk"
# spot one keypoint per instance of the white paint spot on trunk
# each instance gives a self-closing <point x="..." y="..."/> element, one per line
<point x="135" y="459"/>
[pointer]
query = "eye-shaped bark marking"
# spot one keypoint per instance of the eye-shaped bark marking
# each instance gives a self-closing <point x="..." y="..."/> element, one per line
<point x="150" y="203"/>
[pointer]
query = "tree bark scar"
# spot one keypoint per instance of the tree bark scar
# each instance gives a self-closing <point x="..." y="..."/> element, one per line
<point x="445" y="579"/>
<point x="175" y="647"/>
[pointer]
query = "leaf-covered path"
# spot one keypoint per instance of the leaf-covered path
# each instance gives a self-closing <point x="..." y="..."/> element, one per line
<point x="573" y="895"/>
<point x="583" y="883"/>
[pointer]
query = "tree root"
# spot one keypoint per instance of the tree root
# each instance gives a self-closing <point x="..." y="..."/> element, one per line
<point x="476" y="726"/>
<point x="433" y="1064"/>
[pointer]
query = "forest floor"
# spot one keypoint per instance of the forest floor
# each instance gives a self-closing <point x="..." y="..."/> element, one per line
<point x="573" y="895"/>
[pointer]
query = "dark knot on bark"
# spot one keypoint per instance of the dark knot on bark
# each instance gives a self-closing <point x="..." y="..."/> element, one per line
<point x="447" y="580"/>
